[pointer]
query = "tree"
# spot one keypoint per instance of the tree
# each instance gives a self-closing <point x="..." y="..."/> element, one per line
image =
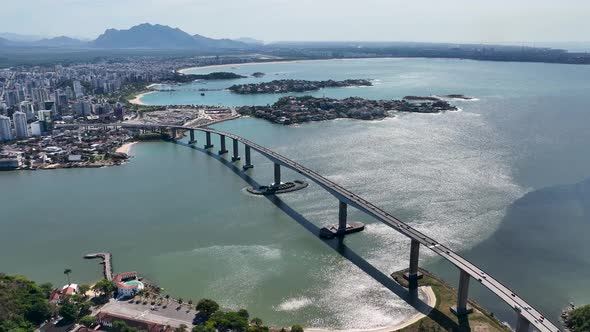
<point x="104" y="287"/>
<point x="578" y="320"/>
<point x="296" y="328"/>
<point x="256" y="321"/>
<point x="83" y="289"/>
<point x="120" y="326"/>
<point x="207" y="307"/>
<point x="88" y="321"/>
<point x="244" y="313"/>
<point x="181" y="328"/>
<point x="204" y="328"/>
<point x="47" y="288"/>
<point x="68" y="311"/>
<point x="67" y="272"/>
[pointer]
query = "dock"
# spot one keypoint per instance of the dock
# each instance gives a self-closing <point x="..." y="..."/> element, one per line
<point x="107" y="265"/>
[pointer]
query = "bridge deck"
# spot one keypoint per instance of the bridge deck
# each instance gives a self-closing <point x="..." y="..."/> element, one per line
<point x="508" y="296"/>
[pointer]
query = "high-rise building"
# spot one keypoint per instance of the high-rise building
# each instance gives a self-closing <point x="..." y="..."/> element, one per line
<point x="78" y="90"/>
<point x="20" y="125"/>
<point x="36" y="128"/>
<point x="46" y="120"/>
<point x="83" y="108"/>
<point x="5" y="130"/>
<point x="119" y="112"/>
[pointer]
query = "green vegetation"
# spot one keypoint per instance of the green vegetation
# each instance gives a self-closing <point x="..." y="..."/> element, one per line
<point x="208" y="307"/>
<point x="104" y="287"/>
<point x="24" y="304"/>
<point x="88" y="321"/>
<point x="187" y="78"/>
<point x="578" y="320"/>
<point x="68" y="311"/>
<point x="296" y="328"/>
<point x="67" y="272"/>
<point x="151" y="137"/>
<point x="441" y="318"/>
<point x="120" y="326"/>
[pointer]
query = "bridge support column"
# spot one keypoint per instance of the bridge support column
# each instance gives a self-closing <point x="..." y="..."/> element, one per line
<point x="522" y="325"/>
<point x="412" y="276"/>
<point x="236" y="152"/>
<point x="222" y="141"/>
<point x="173" y="134"/>
<point x="208" y="145"/>
<point x="277" y="175"/>
<point x="462" y="308"/>
<point x="248" y="164"/>
<point x="192" y="135"/>
<point x="342" y="217"/>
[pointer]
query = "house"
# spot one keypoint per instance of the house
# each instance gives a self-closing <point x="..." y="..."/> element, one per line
<point x="58" y="295"/>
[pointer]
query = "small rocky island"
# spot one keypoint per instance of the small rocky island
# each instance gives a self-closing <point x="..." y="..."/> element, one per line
<point x="292" y="110"/>
<point x="286" y="86"/>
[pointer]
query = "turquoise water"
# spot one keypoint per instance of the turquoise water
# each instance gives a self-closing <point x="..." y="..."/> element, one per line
<point x="182" y="218"/>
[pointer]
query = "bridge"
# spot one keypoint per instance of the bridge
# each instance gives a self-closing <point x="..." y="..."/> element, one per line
<point x="527" y="315"/>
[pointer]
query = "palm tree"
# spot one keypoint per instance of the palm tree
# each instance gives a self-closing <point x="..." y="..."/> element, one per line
<point x="67" y="273"/>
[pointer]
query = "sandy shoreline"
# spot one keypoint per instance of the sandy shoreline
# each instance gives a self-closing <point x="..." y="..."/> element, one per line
<point x="137" y="99"/>
<point x="429" y="299"/>
<point x="126" y="148"/>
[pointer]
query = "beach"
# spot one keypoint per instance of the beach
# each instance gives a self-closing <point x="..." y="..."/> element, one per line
<point x="126" y="148"/>
<point x="137" y="99"/>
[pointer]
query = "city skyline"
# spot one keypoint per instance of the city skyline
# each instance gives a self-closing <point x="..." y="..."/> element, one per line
<point x="460" y="21"/>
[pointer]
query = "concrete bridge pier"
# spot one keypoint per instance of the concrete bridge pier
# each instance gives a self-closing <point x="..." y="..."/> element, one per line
<point x="235" y="151"/>
<point x="412" y="276"/>
<point x="522" y="325"/>
<point x="192" y="136"/>
<point x="222" y="141"/>
<point x="277" y="175"/>
<point x="248" y="164"/>
<point x="173" y="134"/>
<point x="462" y="307"/>
<point x="208" y="144"/>
<point x="342" y="218"/>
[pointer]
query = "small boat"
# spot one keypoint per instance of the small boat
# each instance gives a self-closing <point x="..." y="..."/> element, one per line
<point x="202" y="93"/>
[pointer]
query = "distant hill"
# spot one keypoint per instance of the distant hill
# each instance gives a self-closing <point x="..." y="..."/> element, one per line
<point x="18" y="37"/>
<point x="158" y="36"/>
<point x="62" y="41"/>
<point x="250" y="41"/>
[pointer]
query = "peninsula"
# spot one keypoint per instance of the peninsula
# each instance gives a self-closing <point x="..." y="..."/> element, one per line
<point x="291" y="110"/>
<point x="285" y="86"/>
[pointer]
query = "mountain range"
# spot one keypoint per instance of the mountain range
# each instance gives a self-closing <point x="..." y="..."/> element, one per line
<point x="143" y="36"/>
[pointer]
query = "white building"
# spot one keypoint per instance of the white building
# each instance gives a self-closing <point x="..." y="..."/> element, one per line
<point x="36" y="128"/>
<point x="20" y="125"/>
<point x="5" y="130"/>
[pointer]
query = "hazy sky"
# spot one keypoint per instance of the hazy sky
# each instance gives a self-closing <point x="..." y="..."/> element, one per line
<point x="272" y="20"/>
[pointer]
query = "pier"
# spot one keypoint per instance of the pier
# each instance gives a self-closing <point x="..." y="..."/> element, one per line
<point x="107" y="265"/>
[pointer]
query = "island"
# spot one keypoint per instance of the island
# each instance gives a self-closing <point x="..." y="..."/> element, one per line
<point x="258" y="74"/>
<point x="187" y="78"/>
<point x="292" y="109"/>
<point x="285" y="86"/>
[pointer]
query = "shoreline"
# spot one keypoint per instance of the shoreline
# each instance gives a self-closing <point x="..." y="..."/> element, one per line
<point x="184" y="70"/>
<point x="126" y="148"/>
<point x="430" y="301"/>
<point x="137" y="99"/>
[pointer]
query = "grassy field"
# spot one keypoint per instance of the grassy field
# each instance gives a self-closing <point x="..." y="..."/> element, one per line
<point x="441" y="318"/>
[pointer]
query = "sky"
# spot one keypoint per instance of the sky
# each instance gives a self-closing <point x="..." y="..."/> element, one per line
<point x="312" y="20"/>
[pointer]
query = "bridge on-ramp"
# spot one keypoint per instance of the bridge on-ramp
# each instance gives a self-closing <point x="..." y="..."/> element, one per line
<point x="527" y="315"/>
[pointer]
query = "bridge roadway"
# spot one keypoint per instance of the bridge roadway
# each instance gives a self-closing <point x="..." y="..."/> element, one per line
<point x="523" y="309"/>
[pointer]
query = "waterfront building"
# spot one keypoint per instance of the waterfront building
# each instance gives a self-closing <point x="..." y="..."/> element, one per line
<point x="5" y="129"/>
<point x="127" y="284"/>
<point x="20" y="125"/>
